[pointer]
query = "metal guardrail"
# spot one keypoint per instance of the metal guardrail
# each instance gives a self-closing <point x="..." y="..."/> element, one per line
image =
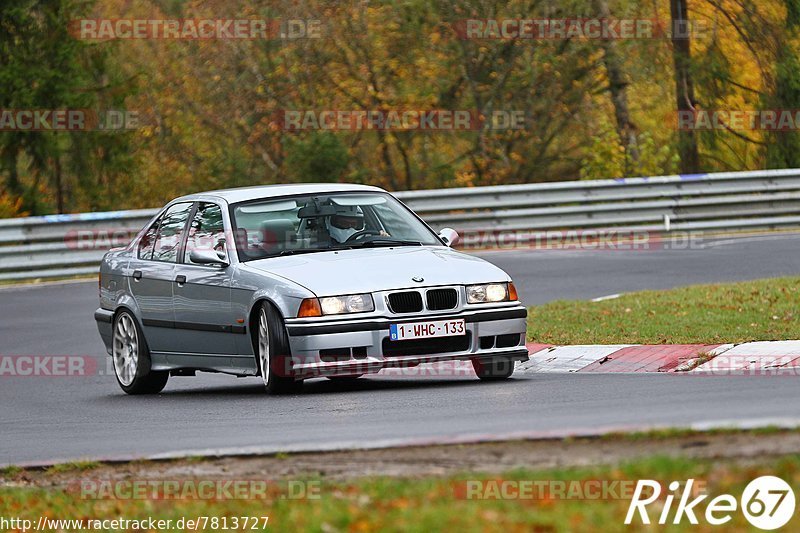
<point x="55" y="246"/>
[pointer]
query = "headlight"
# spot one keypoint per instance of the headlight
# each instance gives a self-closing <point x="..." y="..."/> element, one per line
<point x="491" y="292"/>
<point x="353" y="303"/>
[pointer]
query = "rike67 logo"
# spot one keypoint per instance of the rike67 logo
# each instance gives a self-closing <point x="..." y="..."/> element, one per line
<point x="768" y="502"/>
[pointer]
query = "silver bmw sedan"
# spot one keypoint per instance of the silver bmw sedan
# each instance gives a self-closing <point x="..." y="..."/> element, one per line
<point x="290" y="282"/>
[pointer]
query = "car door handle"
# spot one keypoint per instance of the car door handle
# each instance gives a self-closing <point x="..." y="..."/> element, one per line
<point x="180" y="280"/>
<point x="137" y="275"/>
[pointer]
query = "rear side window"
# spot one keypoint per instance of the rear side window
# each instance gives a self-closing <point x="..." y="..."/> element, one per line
<point x="147" y="241"/>
<point x="170" y="233"/>
<point x="206" y="232"/>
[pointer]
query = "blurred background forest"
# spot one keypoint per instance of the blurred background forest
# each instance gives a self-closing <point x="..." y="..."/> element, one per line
<point x="594" y="108"/>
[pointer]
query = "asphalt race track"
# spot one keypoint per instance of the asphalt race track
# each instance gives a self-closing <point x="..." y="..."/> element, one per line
<point x="59" y="418"/>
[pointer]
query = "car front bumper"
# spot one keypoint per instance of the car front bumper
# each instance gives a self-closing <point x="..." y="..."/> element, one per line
<point x="362" y="345"/>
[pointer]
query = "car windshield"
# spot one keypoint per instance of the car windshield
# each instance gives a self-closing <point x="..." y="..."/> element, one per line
<point x="330" y="221"/>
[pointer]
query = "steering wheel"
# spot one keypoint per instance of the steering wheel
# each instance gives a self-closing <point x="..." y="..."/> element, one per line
<point x="361" y="234"/>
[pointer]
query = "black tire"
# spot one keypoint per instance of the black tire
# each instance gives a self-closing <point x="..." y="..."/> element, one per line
<point x="127" y="338"/>
<point x="277" y="378"/>
<point x="495" y="369"/>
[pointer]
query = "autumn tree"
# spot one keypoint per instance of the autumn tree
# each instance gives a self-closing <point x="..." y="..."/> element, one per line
<point x="684" y="85"/>
<point x="42" y="67"/>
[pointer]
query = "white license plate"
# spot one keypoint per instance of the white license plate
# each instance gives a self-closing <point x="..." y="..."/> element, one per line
<point x="425" y="330"/>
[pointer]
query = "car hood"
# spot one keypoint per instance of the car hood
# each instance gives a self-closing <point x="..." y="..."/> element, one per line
<point x="380" y="269"/>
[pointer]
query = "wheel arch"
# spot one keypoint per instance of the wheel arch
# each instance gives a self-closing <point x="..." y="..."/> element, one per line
<point x="119" y="309"/>
<point x="127" y="302"/>
<point x="252" y="324"/>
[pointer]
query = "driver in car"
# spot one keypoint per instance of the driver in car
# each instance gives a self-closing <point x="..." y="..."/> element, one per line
<point x="347" y="222"/>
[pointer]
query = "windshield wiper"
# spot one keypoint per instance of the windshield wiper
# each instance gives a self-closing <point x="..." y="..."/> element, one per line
<point x="296" y="251"/>
<point x="386" y="241"/>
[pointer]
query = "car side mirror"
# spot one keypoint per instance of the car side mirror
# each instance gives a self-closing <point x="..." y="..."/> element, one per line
<point x="206" y="257"/>
<point x="449" y="236"/>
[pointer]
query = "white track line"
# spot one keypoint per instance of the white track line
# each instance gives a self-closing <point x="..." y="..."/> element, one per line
<point x="604" y="298"/>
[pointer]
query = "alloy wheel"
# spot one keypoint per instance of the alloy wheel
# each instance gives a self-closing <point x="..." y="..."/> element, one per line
<point x="263" y="346"/>
<point x="126" y="349"/>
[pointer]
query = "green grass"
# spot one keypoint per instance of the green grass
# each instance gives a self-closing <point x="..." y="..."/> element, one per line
<point x="682" y="432"/>
<point x="75" y="466"/>
<point x="730" y="312"/>
<point x="427" y="504"/>
<point x="10" y="471"/>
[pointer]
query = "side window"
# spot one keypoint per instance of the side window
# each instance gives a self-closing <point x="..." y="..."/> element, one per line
<point x="206" y="232"/>
<point x="147" y="241"/>
<point x="170" y="233"/>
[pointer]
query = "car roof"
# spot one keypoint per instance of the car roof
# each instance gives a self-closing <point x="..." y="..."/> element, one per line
<point x="241" y="194"/>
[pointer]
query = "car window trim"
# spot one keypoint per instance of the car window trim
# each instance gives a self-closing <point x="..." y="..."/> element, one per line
<point x="372" y="218"/>
<point x="185" y="237"/>
<point x="157" y="224"/>
<point x="185" y="240"/>
<point x="160" y="220"/>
